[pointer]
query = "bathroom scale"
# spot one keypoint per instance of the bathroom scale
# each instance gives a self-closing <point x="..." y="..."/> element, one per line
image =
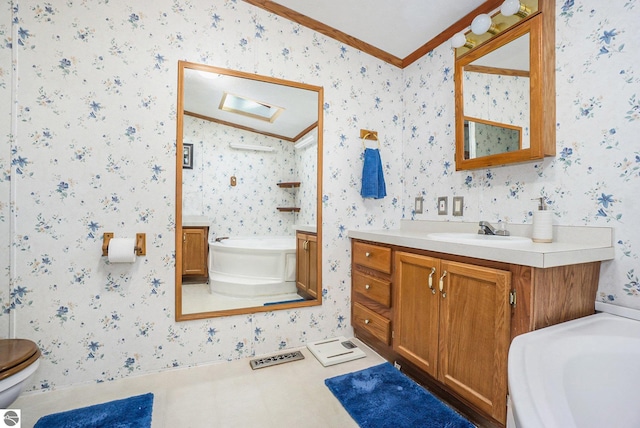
<point x="335" y="351"/>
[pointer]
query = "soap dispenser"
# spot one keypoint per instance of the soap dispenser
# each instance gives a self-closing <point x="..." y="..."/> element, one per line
<point x="542" y="223"/>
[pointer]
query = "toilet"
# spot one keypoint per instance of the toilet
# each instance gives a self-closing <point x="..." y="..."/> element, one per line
<point x="19" y="359"/>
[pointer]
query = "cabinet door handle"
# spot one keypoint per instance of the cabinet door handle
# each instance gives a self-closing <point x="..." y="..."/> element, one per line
<point x="367" y="254"/>
<point x="433" y="271"/>
<point x="367" y="321"/>
<point x="184" y="237"/>
<point x="367" y="286"/>
<point x="305" y="245"/>
<point x="442" y="284"/>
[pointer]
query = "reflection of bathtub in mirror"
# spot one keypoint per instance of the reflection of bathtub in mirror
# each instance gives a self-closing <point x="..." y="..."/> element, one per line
<point x="237" y="190"/>
<point x="253" y="266"/>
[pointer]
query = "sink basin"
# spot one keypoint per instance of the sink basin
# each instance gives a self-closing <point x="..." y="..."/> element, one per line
<point x="477" y="239"/>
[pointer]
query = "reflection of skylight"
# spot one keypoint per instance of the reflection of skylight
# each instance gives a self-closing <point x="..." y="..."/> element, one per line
<point x="250" y="108"/>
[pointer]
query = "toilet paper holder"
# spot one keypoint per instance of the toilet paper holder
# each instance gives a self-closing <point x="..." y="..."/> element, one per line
<point x="140" y="248"/>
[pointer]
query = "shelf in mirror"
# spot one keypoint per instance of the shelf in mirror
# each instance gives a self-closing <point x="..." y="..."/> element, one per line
<point x="289" y="185"/>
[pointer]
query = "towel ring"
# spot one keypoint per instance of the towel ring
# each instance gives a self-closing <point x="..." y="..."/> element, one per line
<point x="364" y="146"/>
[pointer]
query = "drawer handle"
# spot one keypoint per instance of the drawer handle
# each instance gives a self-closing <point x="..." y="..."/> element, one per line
<point x="367" y="286"/>
<point x="433" y="271"/>
<point x="367" y="321"/>
<point x="367" y="254"/>
<point x="442" y="284"/>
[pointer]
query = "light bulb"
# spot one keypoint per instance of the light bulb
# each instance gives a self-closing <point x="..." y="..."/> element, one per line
<point x="458" y="40"/>
<point x="481" y="24"/>
<point x="510" y="7"/>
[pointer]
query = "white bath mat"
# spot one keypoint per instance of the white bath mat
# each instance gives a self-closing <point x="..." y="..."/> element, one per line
<point x="335" y="351"/>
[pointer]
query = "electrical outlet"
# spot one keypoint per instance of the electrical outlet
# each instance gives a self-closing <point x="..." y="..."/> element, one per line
<point x="458" y="206"/>
<point x="442" y="205"/>
<point x="418" y="206"/>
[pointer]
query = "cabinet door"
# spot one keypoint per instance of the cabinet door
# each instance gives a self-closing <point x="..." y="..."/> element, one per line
<point x="194" y="251"/>
<point x="306" y="264"/>
<point x="312" y="280"/>
<point x="415" y="331"/>
<point x="302" y="262"/>
<point x="474" y="334"/>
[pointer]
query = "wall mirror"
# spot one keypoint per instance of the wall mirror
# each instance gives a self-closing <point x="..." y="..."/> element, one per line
<point x="248" y="189"/>
<point x="504" y="113"/>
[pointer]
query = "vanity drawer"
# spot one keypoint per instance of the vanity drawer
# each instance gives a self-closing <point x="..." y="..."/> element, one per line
<point x="372" y="256"/>
<point x="375" y="289"/>
<point x="375" y="324"/>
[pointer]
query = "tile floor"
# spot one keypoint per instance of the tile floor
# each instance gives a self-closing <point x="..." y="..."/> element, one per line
<point x="197" y="298"/>
<point x="228" y="394"/>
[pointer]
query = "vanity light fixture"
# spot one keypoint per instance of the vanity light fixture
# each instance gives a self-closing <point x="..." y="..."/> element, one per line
<point x="514" y="7"/>
<point x="459" y="40"/>
<point x="483" y="23"/>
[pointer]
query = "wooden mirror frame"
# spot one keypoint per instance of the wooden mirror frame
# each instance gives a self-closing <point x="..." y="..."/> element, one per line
<point x="541" y="28"/>
<point x="179" y="316"/>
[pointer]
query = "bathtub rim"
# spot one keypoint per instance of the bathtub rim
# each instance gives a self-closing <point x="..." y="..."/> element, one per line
<point x="291" y="239"/>
<point x="270" y="273"/>
<point x="525" y="389"/>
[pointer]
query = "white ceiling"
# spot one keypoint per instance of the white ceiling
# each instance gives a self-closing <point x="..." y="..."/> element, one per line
<point x="203" y="92"/>
<point x="398" y="27"/>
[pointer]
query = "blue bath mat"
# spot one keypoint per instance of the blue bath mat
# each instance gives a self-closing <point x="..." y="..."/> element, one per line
<point x="132" y="412"/>
<point x="383" y="397"/>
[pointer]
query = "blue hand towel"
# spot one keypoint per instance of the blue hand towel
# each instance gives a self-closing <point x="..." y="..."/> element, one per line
<point x="373" y="185"/>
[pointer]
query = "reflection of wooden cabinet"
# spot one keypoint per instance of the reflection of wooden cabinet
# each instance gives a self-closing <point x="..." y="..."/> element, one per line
<point x="456" y="341"/>
<point x="307" y="264"/>
<point x="195" y="250"/>
<point x="452" y="321"/>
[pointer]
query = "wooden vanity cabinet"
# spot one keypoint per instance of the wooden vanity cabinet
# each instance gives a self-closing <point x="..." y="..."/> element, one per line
<point x="195" y="251"/>
<point x="371" y="290"/>
<point x="452" y="321"/>
<point x="457" y="340"/>
<point x="306" y="264"/>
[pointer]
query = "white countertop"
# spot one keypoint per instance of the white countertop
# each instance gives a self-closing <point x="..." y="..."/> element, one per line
<point x="309" y="228"/>
<point x="195" y="221"/>
<point x="572" y="244"/>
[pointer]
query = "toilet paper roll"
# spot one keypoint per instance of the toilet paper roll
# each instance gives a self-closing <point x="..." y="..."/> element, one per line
<point x="122" y="250"/>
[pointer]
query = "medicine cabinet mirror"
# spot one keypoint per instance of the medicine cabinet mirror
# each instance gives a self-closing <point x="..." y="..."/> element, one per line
<point x="248" y="189"/>
<point x="505" y="98"/>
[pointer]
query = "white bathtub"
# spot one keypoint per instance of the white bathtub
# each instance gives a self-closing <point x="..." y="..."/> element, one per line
<point x="583" y="373"/>
<point x="253" y="266"/>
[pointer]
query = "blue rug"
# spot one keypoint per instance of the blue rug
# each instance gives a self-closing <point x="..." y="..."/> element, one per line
<point x="132" y="412"/>
<point x="383" y="397"/>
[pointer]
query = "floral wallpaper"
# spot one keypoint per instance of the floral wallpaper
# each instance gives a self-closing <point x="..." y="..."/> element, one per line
<point x="5" y="161"/>
<point x="592" y="179"/>
<point x="89" y="147"/>
<point x="498" y="99"/>
<point x="249" y="207"/>
<point x="482" y="139"/>
<point x="94" y="152"/>
<point x="306" y="196"/>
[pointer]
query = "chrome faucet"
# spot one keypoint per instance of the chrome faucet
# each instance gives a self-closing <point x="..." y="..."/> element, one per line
<point x="221" y="238"/>
<point x="487" y="229"/>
